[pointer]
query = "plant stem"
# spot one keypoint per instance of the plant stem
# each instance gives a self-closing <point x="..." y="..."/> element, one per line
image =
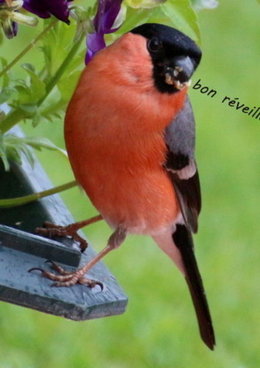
<point x="12" y="119"/>
<point x="19" y="201"/>
<point x="61" y="69"/>
<point x="27" y="48"/>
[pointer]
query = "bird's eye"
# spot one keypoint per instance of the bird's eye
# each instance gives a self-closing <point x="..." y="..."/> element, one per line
<point x="154" y="45"/>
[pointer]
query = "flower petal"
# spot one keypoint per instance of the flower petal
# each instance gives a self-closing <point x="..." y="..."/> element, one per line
<point x="46" y="8"/>
<point x="106" y="15"/>
<point x="95" y="42"/>
<point x="103" y="23"/>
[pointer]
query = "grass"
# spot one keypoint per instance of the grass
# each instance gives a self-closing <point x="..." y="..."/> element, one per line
<point x="159" y="328"/>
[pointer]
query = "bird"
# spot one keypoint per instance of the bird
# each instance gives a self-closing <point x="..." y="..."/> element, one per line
<point x="130" y="137"/>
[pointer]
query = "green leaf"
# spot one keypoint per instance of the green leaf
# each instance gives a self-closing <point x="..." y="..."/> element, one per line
<point x="29" y="108"/>
<point x="3" y="154"/>
<point x="36" y="119"/>
<point x="5" y="94"/>
<point x="41" y="142"/>
<point x="28" y="92"/>
<point x="52" y="110"/>
<point x="183" y="17"/>
<point x="134" y="17"/>
<point x="2" y="114"/>
<point x="22" y="149"/>
<point x="56" y="45"/>
<point x="143" y="3"/>
<point x="67" y="85"/>
<point x="174" y="13"/>
<point x="12" y="147"/>
<point x="37" y="86"/>
<point x="23" y="93"/>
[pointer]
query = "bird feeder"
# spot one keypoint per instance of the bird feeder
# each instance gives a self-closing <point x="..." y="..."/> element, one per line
<point x="21" y="249"/>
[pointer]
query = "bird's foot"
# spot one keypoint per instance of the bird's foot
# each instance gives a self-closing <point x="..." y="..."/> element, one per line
<point x="66" y="278"/>
<point x="51" y="230"/>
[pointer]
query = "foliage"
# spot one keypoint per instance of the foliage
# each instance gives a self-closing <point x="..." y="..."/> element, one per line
<point x="12" y="146"/>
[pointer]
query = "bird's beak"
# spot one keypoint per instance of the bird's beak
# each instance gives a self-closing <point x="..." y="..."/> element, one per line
<point x="179" y="71"/>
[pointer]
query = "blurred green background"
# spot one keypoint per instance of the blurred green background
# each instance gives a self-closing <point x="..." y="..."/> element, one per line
<point x="159" y="328"/>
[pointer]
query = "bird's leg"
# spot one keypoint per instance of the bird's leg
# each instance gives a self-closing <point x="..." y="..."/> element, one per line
<point x="50" y="230"/>
<point x="65" y="278"/>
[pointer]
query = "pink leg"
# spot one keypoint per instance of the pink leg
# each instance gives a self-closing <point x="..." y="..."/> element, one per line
<point x="50" y="230"/>
<point x="71" y="278"/>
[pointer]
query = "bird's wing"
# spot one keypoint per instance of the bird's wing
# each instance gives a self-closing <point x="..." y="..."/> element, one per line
<point x="182" y="169"/>
<point x="181" y="165"/>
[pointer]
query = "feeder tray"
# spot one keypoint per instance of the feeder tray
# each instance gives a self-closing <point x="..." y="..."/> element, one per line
<point x="21" y="249"/>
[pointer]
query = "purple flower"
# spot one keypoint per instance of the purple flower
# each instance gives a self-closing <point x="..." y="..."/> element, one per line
<point x="103" y="24"/>
<point x="46" y="8"/>
<point x="10" y="14"/>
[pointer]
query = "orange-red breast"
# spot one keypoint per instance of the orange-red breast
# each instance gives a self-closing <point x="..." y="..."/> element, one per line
<point x="129" y="132"/>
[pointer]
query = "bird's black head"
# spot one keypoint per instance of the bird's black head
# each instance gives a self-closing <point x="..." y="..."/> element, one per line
<point x="174" y="55"/>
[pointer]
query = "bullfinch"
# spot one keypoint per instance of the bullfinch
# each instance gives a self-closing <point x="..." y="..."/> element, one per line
<point x="130" y="137"/>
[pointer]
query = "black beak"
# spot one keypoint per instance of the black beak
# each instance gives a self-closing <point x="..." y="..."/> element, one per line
<point x="179" y="71"/>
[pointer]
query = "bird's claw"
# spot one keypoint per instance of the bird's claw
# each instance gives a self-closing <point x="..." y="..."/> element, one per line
<point x="66" y="278"/>
<point x="57" y="268"/>
<point x="51" y="230"/>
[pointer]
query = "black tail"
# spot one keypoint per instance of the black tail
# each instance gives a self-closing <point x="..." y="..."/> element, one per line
<point x="183" y="240"/>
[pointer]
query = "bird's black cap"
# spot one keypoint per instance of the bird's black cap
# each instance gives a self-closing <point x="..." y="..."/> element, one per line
<point x="175" y="56"/>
